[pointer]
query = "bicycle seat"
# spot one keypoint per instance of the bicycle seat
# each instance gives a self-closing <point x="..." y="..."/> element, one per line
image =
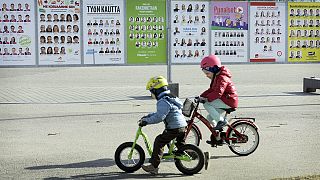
<point x="229" y="110"/>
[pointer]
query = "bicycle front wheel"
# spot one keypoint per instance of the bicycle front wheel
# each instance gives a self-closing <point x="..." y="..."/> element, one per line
<point x="196" y="163"/>
<point x="246" y="144"/>
<point x="193" y="137"/>
<point x="125" y="163"/>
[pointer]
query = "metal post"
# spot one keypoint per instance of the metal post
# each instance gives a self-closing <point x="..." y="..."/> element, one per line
<point x="173" y="87"/>
<point x="94" y="59"/>
<point x="169" y="57"/>
<point x="168" y="18"/>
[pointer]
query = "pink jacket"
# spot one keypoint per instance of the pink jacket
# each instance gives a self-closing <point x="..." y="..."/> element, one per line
<point x="222" y="88"/>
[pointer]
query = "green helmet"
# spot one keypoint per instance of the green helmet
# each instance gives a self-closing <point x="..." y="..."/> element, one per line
<point x="156" y="83"/>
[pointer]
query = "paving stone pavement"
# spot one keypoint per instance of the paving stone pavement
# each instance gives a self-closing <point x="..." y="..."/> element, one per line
<point x="91" y="110"/>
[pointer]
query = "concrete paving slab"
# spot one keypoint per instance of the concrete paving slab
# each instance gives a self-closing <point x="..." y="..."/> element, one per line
<point x="65" y="123"/>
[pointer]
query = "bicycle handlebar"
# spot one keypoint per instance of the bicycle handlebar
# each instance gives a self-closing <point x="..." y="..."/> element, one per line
<point x="197" y="99"/>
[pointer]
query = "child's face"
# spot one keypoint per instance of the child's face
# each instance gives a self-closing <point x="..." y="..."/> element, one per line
<point x="208" y="74"/>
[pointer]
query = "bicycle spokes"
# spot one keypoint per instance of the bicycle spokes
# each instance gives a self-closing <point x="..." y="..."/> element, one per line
<point x="243" y="139"/>
<point x="130" y="159"/>
<point x="192" y="159"/>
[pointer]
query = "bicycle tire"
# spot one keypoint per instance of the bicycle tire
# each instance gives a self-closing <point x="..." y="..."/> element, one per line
<point x="135" y="166"/>
<point x="194" y="132"/>
<point x="188" y="148"/>
<point x="242" y="127"/>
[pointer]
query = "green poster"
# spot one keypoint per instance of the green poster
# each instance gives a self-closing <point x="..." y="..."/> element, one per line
<point x="146" y="27"/>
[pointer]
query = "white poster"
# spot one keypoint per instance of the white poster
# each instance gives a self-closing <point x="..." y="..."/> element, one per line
<point x="103" y="30"/>
<point x="190" y="31"/>
<point x="17" y="33"/>
<point x="268" y="29"/>
<point x="59" y="32"/>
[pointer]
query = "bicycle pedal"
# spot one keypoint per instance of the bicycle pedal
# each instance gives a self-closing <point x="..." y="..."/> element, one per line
<point x="211" y="144"/>
<point x="165" y="154"/>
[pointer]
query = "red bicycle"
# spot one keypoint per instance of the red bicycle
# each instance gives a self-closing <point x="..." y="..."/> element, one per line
<point x="241" y="134"/>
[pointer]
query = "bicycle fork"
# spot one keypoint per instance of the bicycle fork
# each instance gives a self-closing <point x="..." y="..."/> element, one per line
<point x="145" y="139"/>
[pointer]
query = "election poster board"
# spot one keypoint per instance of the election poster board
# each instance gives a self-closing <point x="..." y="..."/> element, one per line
<point x="229" y="26"/>
<point x="17" y="33"/>
<point x="103" y="29"/>
<point x="190" y="31"/>
<point x="146" y="32"/>
<point x="303" y="32"/>
<point x="268" y="30"/>
<point x="59" y="32"/>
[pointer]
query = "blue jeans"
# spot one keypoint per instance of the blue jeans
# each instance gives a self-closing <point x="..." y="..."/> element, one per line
<point x="214" y="110"/>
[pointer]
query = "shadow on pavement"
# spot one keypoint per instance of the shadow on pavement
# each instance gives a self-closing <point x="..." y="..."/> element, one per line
<point x="73" y="115"/>
<point x="280" y="95"/>
<point x="86" y="102"/>
<point x="303" y="93"/>
<point x="70" y="102"/>
<point x="282" y="105"/>
<point x="87" y="164"/>
<point x="140" y="97"/>
<point x="223" y="157"/>
<point x="119" y="175"/>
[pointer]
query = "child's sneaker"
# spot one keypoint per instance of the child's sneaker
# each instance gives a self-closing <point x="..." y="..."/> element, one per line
<point x="150" y="169"/>
<point x="220" y="125"/>
<point x="221" y="142"/>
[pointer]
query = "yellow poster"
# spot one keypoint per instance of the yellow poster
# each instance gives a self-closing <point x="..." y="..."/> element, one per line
<point x="303" y="32"/>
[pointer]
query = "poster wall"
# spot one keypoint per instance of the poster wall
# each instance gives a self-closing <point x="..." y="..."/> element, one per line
<point x="267" y="27"/>
<point x="146" y="31"/>
<point x="103" y="31"/>
<point x="59" y="32"/>
<point x="229" y="25"/>
<point x="190" y="31"/>
<point x="303" y="32"/>
<point x="17" y="33"/>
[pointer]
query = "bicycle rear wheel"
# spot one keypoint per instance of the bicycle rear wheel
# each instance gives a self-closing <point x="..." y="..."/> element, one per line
<point x="249" y="141"/>
<point x="196" y="163"/>
<point x="132" y="164"/>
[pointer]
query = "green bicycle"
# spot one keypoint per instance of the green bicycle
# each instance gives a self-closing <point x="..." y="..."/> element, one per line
<point x="130" y="156"/>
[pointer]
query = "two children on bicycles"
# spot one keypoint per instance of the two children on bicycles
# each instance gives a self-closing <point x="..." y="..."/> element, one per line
<point x="168" y="111"/>
<point x="221" y="93"/>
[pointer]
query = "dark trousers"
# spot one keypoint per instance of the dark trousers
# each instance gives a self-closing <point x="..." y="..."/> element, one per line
<point x="163" y="139"/>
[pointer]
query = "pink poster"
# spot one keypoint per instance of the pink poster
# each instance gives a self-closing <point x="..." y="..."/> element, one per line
<point x="229" y="25"/>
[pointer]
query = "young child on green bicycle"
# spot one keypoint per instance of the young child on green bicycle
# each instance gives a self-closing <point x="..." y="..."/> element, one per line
<point x="169" y="112"/>
<point x="221" y="93"/>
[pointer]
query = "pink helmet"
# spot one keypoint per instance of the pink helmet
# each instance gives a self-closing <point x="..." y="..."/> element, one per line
<point x="210" y="61"/>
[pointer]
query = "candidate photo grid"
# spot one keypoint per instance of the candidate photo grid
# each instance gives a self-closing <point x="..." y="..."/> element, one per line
<point x="104" y="34"/>
<point x="14" y="19"/>
<point x="304" y="33"/>
<point x="146" y="31"/>
<point x="228" y="43"/>
<point x="57" y="32"/>
<point x="268" y="25"/>
<point x="187" y="16"/>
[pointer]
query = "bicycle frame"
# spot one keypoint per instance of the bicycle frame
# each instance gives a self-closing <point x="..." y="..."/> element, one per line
<point x="196" y="114"/>
<point x="170" y="154"/>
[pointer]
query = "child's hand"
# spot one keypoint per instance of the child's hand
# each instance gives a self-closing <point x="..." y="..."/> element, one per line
<point x="142" y="123"/>
<point x="202" y="99"/>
